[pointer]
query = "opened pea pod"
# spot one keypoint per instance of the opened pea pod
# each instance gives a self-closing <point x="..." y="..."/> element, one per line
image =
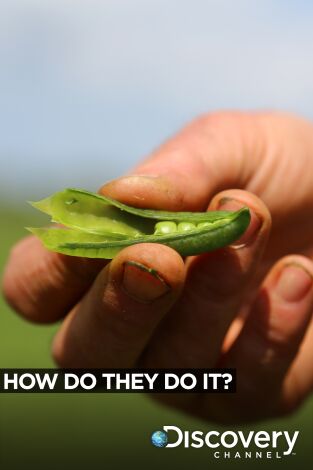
<point x="99" y="227"/>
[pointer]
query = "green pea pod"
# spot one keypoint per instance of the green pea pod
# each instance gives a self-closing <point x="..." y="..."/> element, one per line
<point x="99" y="227"/>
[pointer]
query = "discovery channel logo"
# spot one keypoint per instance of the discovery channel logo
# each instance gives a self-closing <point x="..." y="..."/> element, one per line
<point x="230" y="444"/>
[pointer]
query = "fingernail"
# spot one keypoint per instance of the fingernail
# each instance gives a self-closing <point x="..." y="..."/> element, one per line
<point x="293" y="283"/>
<point x="228" y="204"/>
<point x="142" y="283"/>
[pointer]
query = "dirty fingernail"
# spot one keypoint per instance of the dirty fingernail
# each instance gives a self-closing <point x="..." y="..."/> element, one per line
<point x="228" y="204"/>
<point x="293" y="283"/>
<point x="143" y="283"/>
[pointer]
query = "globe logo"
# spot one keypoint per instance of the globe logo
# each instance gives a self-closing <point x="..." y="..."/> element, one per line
<point x="159" y="438"/>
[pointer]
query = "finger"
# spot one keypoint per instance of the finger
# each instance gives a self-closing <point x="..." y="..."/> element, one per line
<point x="216" y="286"/>
<point x="210" y="151"/>
<point x="298" y="384"/>
<point x="111" y="326"/>
<point x="231" y="150"/>
<point x="225" y="150"/>
<point x="273" y="333"/>
<point x="43" y="286"/>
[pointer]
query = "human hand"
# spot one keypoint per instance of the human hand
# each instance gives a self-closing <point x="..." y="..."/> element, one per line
<point x="247" y="306"/>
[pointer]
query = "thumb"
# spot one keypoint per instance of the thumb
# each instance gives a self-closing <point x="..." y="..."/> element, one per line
<point x="115" y="320"/>
<point x="184" y="173"/>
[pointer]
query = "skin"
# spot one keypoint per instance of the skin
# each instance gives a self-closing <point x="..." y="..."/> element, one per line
<point x="247" y="306"/>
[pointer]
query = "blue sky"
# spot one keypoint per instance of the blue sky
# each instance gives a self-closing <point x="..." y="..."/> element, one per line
<point x="88" y="87"/>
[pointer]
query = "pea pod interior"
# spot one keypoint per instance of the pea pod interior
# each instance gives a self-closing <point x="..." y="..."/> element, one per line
<point x="99" y="227"/>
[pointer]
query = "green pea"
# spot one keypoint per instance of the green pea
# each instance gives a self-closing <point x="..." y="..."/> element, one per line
<point x="100" y="227"/>
<point x="204" y="225"/>
<point x="164" y="228"/>
<point x="185" y="226"/>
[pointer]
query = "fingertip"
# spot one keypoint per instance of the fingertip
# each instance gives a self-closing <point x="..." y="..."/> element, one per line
<point x="41" y="285"/>
<point x="291" y="280"/>
<point x="244" y="198"/>
<point x="144" y="191"/>
<point x="113" y="322"/>
<point x="260" y="217"/>
<point x="300" y="261"/>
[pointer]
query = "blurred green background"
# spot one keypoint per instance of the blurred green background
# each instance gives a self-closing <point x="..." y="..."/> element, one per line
<point x="86" y="89"/>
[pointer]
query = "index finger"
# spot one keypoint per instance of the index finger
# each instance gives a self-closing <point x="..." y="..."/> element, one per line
<point x="42" y="285"/>
<point x="189" y="169"/>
